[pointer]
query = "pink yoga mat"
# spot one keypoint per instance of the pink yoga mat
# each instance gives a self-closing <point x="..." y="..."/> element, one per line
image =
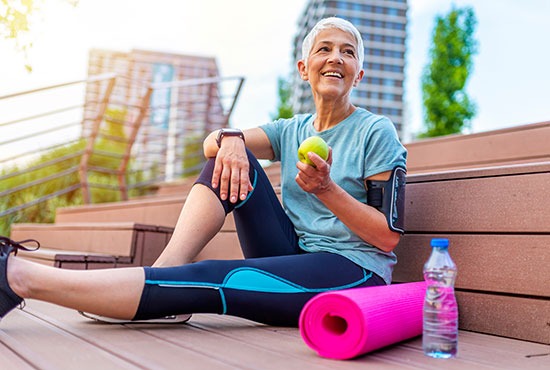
<point x="349" y="323"/>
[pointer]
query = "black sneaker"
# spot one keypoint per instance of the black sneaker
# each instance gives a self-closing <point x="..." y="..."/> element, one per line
<point x="8" y="299"/>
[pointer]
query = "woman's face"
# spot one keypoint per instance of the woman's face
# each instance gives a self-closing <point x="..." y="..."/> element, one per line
<point x="333" y="67"/>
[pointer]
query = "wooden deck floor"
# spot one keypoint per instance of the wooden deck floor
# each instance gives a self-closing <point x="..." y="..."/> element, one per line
<point x="44" y="336"/>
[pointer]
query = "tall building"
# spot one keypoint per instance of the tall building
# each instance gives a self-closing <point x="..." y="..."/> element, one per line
<point x="137" y="69"/>
<point x="177" y="116"/>
<point x="383" y="25"/>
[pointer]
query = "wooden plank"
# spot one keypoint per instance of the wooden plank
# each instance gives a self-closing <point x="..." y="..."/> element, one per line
<point x="176" y="187"/>
<point x="109" y="238"/>
<point x="393" y="357"/>
<point x="225" y="245"/>
<point x="125" y="347"/>
<point x="513" y="317"/>
<point x="9" y="356"/>
<point x="511" y="263"/>
<point x="515" y="204"/>
<point x="229" y="224"/>
<point x="475" y="350"/>
<point x="148" y="245"/>
<point x="509" y="316"/>
<point x="482" y="350"/>
<point x="48" y="256"/>
<point x="480" y="172"/>
<point x="93" y="237"/>
<point x="196" y="338"/>
<point x="75" y="260"/>
<point x="286" y="341"/>
<point x="45" y="346"/>
<point x="263" y="353"/>
<point x="512" y="145"/>
<point x="59" y="338"/>
<point x="163" y="211"/>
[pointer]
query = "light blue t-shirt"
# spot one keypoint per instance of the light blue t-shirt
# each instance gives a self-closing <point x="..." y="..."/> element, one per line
<point x="363" y="145"/>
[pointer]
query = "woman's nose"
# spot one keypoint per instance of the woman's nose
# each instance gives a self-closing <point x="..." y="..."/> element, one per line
<point x="336" y="57"/>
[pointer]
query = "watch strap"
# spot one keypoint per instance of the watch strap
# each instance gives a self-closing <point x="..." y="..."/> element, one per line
<point x="228" y="132"/>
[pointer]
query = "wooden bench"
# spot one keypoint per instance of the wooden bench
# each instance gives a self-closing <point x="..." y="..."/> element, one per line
<point x="520" y="144"/>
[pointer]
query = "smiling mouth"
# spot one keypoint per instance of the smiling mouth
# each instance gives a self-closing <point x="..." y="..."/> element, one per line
<point x="332" y="74"/>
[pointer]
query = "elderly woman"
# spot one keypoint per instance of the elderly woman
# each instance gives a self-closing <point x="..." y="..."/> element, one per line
<point x="337" y="227"/>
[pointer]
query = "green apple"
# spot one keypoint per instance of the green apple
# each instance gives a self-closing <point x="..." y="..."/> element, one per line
<point x="313" y="144"/>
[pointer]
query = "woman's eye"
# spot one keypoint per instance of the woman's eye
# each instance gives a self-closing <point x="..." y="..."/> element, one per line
<point x="350" y="52"/>
<point x="323" y="48"/>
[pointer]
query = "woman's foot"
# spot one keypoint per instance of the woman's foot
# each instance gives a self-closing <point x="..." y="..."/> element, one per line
<point x="8" y="298"/>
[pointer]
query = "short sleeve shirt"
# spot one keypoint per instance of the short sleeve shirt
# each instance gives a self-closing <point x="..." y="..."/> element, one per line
<point x="363" y="144"/>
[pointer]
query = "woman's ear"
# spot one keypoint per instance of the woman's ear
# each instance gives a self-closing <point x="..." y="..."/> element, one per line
<point x="358" y="78"/>
<point x="302" y="69"/>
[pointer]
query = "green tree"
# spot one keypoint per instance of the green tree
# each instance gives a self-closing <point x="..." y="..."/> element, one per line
<point x="284" y="108"/>
<point x="16" y="18"/>
<point x="447" y="107"/>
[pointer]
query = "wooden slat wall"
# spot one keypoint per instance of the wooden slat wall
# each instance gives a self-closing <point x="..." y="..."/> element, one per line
<point x="498" y="223"/>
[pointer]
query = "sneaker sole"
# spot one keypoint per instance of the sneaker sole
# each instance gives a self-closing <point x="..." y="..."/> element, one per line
<point x="172" y="319"/>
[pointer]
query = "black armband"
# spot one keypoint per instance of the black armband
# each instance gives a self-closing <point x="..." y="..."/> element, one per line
<point x="389" y="198"/>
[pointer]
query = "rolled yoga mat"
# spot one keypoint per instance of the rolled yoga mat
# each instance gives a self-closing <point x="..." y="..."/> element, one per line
<point x="349" y="323"/>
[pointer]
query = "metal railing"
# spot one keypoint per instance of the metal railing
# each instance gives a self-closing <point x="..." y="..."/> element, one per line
<point x="86" y="142"/>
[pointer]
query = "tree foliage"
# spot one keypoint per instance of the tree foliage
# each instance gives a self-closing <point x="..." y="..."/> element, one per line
<point x="447" y="107"/>
<point x="16" y="22"/>
<point x="284" y="108"/>
<point x="28" y="182"/>
<point x="15" y="16"/>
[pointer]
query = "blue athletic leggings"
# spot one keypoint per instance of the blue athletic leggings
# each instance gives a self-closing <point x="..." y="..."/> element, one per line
<point x="272" y="283"/>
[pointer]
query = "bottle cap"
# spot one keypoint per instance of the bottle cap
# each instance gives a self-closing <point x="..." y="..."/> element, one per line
<point x="440" y="242"/>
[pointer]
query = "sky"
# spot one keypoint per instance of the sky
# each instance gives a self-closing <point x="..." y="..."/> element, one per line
<point x="510" y="81"/>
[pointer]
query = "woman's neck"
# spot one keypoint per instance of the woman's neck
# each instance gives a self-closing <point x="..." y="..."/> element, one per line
<point x="329" y="115"/>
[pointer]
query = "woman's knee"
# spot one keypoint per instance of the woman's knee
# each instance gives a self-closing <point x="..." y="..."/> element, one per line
<point x="205" y="178"/>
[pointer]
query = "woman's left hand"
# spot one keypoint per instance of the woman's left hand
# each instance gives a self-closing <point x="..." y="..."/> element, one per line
<point x="315" y="180"/>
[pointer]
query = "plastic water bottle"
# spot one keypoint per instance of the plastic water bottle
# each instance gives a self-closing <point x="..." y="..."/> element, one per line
<point x="440" y="325"/>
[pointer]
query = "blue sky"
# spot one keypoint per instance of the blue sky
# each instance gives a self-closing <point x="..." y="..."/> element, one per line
<point x="253" y="38"/>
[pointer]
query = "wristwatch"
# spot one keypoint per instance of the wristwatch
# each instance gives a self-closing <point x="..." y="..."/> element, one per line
<point x="228" y="132"/>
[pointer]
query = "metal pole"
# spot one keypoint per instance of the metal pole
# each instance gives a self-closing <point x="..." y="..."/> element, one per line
<point x="171" y="142"/>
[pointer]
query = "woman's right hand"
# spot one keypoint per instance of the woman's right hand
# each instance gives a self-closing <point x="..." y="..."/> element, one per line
<point x="231" y="170"/>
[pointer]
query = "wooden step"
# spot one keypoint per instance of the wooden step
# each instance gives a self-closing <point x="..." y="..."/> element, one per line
<point x="97" y="237"/>
<point x="224" y="246"/>
<point x="513" y="145"/>
<point x="498" y="225"/>
<point x="75" y="260"/>
<point x="509" y="199"/>
<point x="107" y="244"/>
<point x="176" y="187"/>
<point x="142" y="244"/>
<point x="161" y="211"/>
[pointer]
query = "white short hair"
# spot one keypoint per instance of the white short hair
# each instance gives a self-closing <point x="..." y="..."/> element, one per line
<point x="333" y="22"/>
